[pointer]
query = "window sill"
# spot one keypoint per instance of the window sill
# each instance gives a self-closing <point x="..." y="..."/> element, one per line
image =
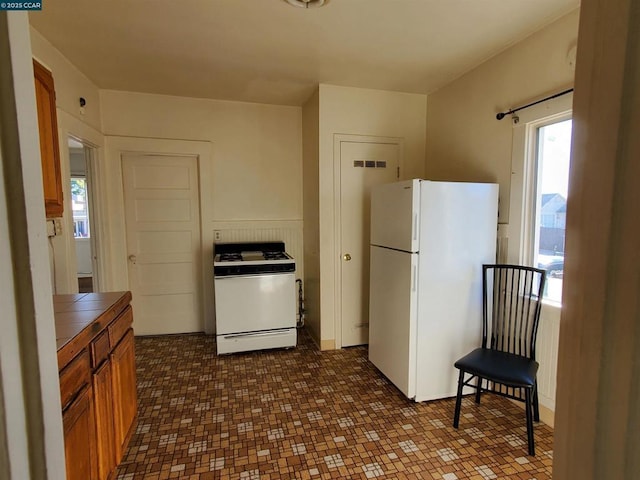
<point x="551" y="305"/>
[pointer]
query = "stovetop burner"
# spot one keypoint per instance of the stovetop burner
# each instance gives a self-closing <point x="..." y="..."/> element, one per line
<point x="275" y="256"/>
<point x="251" y="258"/>
<point x="230" y="257"/>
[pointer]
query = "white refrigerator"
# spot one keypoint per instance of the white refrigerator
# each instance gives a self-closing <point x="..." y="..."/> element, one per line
<point x="429" y="241"/>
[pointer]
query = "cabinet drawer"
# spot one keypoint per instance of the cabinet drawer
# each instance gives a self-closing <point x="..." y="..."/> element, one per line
<point x="119" y="326"/>
<point x="100" y="349"/>
<point x="74" y="376"/>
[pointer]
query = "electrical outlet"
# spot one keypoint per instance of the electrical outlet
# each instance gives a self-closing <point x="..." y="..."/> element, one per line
<point x="57" y="223"/>
<point x="51" y="228"/>
<point x="217" y="235"/>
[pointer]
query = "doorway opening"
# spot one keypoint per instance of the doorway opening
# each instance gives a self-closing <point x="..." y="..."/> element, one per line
<point x="83" y="208"/>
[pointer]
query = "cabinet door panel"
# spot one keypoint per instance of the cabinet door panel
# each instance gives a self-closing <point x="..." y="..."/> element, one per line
<point x="80" y="437"/>
<point x="125" y="403"/>
<point x="103" y="398"/>
<point x="49" y="149"/>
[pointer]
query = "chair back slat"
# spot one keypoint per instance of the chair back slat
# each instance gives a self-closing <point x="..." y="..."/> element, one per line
<point x="511" y="308"/>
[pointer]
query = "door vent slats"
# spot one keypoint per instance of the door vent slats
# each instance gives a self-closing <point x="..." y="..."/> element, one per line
<point x="370" y="163"/>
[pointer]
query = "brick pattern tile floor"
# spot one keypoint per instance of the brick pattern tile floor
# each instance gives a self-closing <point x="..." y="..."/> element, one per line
<point x="306" y="414"/>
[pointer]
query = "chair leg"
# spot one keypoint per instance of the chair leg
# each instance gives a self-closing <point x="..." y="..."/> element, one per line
<point x="456" y="415"/>
<point x="529" y="408"/>
<point x="536" y="407"/>
<point x="478" y="390"/>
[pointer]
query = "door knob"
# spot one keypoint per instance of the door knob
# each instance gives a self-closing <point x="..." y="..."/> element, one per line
<point x="133" y="259"/>
<point x="346" y="257"/>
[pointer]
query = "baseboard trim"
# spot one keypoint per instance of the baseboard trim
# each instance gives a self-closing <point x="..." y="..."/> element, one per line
<point x="547" y="416"/>
<point x="327" y="344"/>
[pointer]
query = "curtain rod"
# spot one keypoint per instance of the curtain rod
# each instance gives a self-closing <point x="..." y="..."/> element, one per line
<point x="501" y="115"/>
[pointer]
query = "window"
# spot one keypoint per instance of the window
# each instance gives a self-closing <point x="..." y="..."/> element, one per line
<point x="537" y="203"/>
<point x="79" y="207"/>
<point x="549" y="217"/>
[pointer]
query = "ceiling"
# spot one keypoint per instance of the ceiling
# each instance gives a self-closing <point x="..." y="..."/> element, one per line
<point x="267" y="51"/>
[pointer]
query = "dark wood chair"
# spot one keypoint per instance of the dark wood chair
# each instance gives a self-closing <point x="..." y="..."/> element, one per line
<point x="506" y="363"/>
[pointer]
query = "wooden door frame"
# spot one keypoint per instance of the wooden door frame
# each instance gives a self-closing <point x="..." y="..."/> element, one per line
<point x="338" y="138"/>
<point x="203" y="152"/>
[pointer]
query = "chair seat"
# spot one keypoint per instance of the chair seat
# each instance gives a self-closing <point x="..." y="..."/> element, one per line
<point x="500" y="367"/>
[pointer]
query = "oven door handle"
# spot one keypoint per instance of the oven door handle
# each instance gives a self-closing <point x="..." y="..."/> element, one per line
<point x="259" y="275"/>
<point x="256" y="334"/>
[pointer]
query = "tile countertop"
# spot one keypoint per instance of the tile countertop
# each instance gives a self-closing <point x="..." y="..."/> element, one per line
<point x="79" y="318"/>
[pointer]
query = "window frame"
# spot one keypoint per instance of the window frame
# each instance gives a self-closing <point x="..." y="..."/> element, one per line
<point x="524" y="171"/>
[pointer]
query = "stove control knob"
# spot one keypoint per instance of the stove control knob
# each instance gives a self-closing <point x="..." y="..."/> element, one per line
<point x="346" y="257"/>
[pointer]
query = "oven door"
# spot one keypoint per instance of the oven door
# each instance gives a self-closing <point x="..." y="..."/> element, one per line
<point x="249" y="303"/>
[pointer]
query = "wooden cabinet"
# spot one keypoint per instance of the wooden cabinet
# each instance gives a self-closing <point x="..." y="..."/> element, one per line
<point x="125" y="397"/>
<point x="49" y="148"/>
<point x="103" y="399"/>
<point x="80" y="437"/>
<point x="97" y="384"/>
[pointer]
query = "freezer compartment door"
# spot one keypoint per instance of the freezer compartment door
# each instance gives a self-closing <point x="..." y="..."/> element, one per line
<point x="255" y="302"/>
<point x="395" y="215"/>
<point x="393" y="316"/>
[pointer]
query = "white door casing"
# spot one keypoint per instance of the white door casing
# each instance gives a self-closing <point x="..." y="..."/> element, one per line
<point x="65" y="245"/>
<point x="363" y="163"/>
<point x="94" y="224"/>
<point x="162" y="218"/>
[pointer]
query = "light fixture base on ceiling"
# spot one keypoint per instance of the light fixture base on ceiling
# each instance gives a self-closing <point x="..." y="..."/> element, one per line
<point x="307" y="3"/>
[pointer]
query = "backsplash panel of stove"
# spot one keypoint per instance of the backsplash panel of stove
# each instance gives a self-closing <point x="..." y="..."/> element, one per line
<point x="288" y="231"/>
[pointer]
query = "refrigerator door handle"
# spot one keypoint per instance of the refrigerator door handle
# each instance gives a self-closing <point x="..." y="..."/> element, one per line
<point x="415" y="226"/>
<point x="414" y="272"/>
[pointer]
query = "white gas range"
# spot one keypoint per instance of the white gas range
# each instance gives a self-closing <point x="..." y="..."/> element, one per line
<point x="255" y="296"/>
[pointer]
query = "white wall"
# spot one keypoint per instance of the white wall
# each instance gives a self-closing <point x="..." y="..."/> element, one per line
<point x="83" y="257"/>
<point x="70" y="85"/>
<point x="77" y="162"/>
<point x="257" y="148"/>
<point x="253" y="190"/>
<point x="345" y="110"/>
<point x="465" y="142"/>
<point x="256" y="180"/>
<point x="31" y="438"/>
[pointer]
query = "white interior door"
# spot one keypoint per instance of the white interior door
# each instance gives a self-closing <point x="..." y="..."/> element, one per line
<point x="162" y="217"/>
<point x="362" y="165"/>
